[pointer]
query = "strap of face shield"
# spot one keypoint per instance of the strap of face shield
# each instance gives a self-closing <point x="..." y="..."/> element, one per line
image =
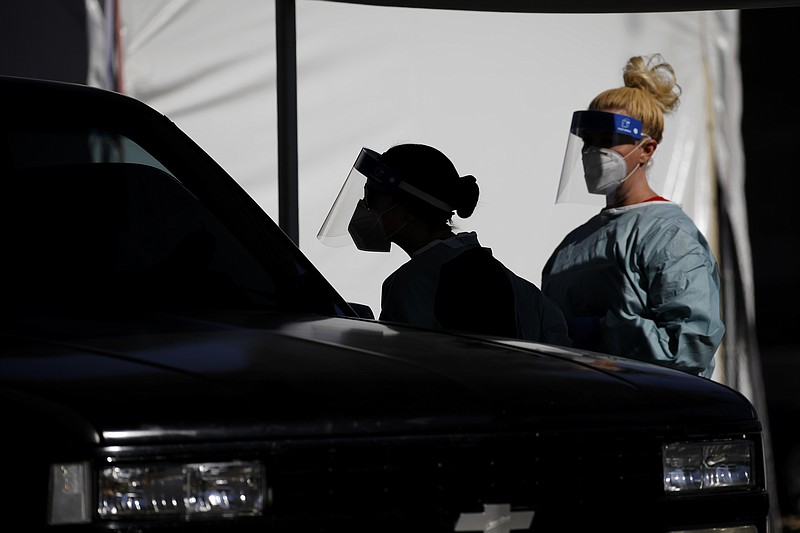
<point x="370" y="166"/>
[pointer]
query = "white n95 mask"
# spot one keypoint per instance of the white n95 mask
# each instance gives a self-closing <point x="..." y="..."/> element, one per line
<point x="605" y="169"/>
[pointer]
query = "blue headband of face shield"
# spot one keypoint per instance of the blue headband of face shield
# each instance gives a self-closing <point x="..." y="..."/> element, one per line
<point x="604" y="130"/>
<point x="368" y="164"/>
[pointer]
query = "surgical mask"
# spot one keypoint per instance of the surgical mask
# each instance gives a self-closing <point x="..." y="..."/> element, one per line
<point x="604" y="169"/>
<point x="366" y="229"/>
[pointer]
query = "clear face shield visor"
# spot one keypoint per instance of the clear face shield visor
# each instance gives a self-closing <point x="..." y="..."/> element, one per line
<point x="599" y="129"/>
<point x="367" y="169"/>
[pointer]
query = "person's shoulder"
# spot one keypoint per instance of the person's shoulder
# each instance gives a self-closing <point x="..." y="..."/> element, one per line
<point x="672" y="214"/>
<point x="412" y="276"/>
<point x="658" y="207"/>
<point x="655" y="215"/>
<point x="668" y="229"/>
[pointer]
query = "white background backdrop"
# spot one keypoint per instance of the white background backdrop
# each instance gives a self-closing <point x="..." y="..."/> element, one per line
<point x="493" y="91"/>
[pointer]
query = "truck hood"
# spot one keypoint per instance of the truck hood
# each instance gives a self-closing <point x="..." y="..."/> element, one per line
<point x="280" y="375"/>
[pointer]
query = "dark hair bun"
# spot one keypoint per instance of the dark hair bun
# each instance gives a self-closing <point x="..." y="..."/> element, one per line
<point x="467" y="196"/>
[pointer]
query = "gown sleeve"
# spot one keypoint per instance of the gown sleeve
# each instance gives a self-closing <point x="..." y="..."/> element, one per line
<point x="681" y="324"/>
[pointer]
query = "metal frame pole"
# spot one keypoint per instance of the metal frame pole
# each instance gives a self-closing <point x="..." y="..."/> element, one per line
<point x="286" y="84"/>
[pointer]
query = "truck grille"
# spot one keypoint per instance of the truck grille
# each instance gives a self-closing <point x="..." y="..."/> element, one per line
<point x="426" y="483"/>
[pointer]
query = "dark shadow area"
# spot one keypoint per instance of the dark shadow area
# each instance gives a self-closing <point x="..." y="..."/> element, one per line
<point x="116" y="236"/>
<point x="770" y="78"/>
<point x="39" y="27"/>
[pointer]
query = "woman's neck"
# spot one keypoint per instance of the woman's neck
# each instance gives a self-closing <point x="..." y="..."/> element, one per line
<point x="634" y="190"/>
<point x="412" y="241"/>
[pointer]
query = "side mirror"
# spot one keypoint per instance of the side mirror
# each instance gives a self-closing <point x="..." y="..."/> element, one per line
<point x="363" y="311"/>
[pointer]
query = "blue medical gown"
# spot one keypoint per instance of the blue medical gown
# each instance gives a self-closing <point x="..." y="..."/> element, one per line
<point x="457" y="284"/>
<point x="645" y="277"/>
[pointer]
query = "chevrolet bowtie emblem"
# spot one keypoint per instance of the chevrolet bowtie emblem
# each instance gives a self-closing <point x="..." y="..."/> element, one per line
<point x="495" y="518"/>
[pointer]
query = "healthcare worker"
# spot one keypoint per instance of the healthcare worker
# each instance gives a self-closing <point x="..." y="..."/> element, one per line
<point x="407" y="196"/>
<point x="638" y="279"/>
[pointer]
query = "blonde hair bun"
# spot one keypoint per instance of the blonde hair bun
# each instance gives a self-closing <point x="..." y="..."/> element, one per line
<point x="655" y="76"/>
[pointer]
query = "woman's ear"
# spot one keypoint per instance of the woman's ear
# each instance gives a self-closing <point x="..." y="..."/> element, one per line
<point x="648" y="149"/>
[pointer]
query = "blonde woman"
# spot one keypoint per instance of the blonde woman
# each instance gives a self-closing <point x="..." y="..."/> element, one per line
<point x="638" y="279"/>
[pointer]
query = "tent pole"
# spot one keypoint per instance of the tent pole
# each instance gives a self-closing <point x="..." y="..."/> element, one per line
<point x="286" y="85"/>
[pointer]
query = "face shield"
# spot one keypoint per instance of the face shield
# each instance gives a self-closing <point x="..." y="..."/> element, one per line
<point x="367" y="169"/>
<point x="599" y="129"/>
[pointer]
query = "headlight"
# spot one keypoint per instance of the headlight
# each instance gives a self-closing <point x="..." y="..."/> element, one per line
<point x="183" y="491"/>
<point x="695" y="466"/>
